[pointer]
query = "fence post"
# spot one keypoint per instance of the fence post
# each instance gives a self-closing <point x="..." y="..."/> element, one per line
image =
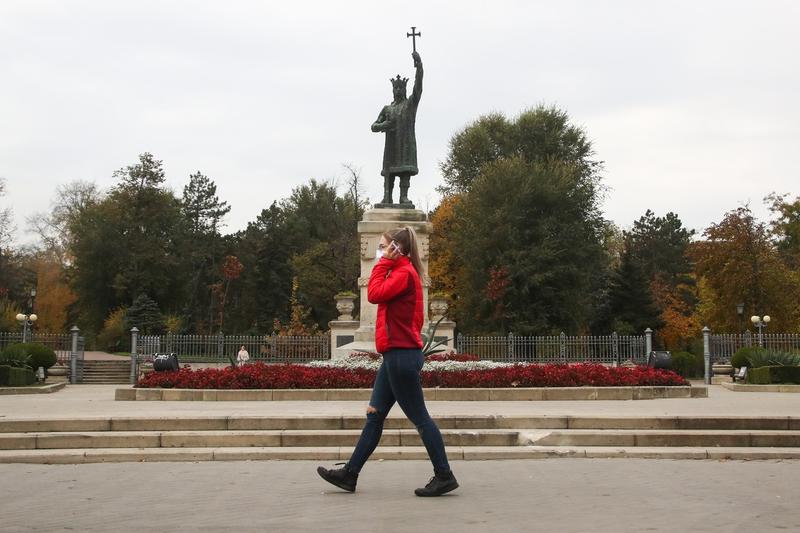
<point x="615" y="346"/>
<point x="221" y="346"/>
<point x="707" y="355"/>
<point x="460" y="343"/>
<point x="134" y="351"/>
<point x="73" y="356"/>
<point x="648" y="342"/>
<point x="511" y="346"/>
<point x="562" y="345"/>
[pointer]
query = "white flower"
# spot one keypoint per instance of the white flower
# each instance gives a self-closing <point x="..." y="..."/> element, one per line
<point x="355" y="362"/>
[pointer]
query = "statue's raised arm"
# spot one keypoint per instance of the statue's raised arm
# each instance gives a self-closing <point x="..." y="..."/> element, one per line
<point x="416" y="93"/>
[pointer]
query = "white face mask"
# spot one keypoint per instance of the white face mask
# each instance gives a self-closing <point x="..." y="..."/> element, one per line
<point x="378" y="254"/>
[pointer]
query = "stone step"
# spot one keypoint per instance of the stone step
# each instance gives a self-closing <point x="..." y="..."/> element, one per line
<point x="267" y="438"/>
<point x="660" y="438"/>
<point x="398" y="437"/>
<point x="208" y="423"/>
<point x="331" y="454"/>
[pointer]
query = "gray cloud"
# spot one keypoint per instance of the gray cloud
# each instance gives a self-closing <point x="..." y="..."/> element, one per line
<point x="692" y="105"/>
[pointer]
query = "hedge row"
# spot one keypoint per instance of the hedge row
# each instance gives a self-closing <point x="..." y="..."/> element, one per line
<point x="11" y="376"/>
<point x="767" y="375"/>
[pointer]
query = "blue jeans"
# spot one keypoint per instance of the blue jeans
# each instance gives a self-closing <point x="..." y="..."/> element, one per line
<point x="398" y="380"/>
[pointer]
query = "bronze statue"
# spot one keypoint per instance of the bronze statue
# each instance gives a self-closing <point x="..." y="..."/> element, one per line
<point x="397" y="121"/>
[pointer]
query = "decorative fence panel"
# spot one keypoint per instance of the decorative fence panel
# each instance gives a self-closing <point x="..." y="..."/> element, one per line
<point x="723" y="345"/>
<point x="223" y="348"/>
<point x="61" y="343"/>
<point x="556" y="348"/>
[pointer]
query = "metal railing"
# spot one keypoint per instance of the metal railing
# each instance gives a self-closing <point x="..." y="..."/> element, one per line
<point x="220" y="348"/>
<point x="557" y="348"/>
<point x="61" y="343"/>
<point x="724" y="345"/>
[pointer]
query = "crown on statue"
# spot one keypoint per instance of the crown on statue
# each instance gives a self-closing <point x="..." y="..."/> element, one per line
<point x="399" y="82"/>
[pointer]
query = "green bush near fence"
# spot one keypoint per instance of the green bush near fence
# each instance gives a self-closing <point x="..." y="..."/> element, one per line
<point x="11" y="376"/>
<point x="742" y="356"/>
<point x="767" y="375"/>
<point x="38" y="354"/>
<point x="687" y="364"/>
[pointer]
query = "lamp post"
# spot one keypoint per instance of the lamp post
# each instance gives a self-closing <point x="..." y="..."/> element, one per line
<point x="760" y="323"/>
<point x="27" y="321"/>
<point x="740" y="314"/>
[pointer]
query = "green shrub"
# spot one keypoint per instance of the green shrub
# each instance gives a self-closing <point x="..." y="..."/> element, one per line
<point x="15" y="359"/>
<point x="12" y="376"/>
<point x="742" y="356"/>
<point x="766" y="375"/>
<point x="687" y="364"/>
<point x="39" y="354"/>
<point x="773" y="358"/>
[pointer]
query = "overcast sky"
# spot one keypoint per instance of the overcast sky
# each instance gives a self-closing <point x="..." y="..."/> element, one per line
<point x="692" y="105"/>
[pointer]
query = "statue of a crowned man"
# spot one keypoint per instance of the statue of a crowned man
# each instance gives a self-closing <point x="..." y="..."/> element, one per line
<point x="400" y="152"/>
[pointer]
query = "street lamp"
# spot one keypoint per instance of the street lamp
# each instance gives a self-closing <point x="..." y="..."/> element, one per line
<point x="740" y="313"/>
<point x="760" y="323"/>
<point x="27" y="322"/>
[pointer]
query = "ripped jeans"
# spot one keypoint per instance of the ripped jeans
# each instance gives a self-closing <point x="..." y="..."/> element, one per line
<point x="398" y="380"/>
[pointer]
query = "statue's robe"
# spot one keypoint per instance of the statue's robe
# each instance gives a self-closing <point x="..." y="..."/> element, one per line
<point x="400" y="150"/>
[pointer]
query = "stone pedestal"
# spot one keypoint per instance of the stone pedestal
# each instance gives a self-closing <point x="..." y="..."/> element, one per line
<point x="446" y="330"/>
<point x="370" y="229"/>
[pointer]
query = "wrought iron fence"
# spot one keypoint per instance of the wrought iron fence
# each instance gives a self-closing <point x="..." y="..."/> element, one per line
<point x="723" y="345"/>
<point x="556" y="348"/>
<point x="61" y="343"/>
<point x="221" y="348"/>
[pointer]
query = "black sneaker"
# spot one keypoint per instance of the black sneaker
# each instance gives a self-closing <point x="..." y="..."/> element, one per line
<point x="438" y="485"/>
<point x="341" y="477"/>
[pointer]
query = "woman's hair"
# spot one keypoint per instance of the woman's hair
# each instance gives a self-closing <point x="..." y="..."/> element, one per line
<point x="406" y="238"/>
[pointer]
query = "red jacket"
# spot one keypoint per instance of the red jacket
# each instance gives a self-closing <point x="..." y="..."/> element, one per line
<point x="394" y="285"/>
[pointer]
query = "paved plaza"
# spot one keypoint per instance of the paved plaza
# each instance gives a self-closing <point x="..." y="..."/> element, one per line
<point x="552" y="495"/>
<point x="98" y="400"/>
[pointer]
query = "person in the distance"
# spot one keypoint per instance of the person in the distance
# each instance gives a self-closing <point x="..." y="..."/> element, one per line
<point x="242" y="357"/>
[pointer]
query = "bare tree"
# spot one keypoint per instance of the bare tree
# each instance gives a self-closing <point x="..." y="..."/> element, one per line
<point x="54" y="228"/>
<point x="6" y="221"/>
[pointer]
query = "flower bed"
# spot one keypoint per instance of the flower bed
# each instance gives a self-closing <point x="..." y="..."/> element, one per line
<point x="360" y="374"/>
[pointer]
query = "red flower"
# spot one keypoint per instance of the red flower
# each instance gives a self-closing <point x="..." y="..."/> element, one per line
<point x="294" y="376"/>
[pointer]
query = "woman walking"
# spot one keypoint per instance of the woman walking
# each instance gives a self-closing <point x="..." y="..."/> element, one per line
<point x="395" y="286"/>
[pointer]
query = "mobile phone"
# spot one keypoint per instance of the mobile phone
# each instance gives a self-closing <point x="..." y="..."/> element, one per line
<point x="395" y="247"/>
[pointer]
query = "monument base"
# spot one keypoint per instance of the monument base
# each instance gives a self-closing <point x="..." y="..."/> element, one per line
<point x="343" y="332"/>
<point x="406" y="205"/>
<point x="358" y="346"/>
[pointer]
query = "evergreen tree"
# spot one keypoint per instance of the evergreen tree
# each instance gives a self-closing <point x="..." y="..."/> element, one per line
<point x="145" y="315"/>
<point x="630" y="308"/>
<point x="128" y="243"/>
<point x="202" y="249"/>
